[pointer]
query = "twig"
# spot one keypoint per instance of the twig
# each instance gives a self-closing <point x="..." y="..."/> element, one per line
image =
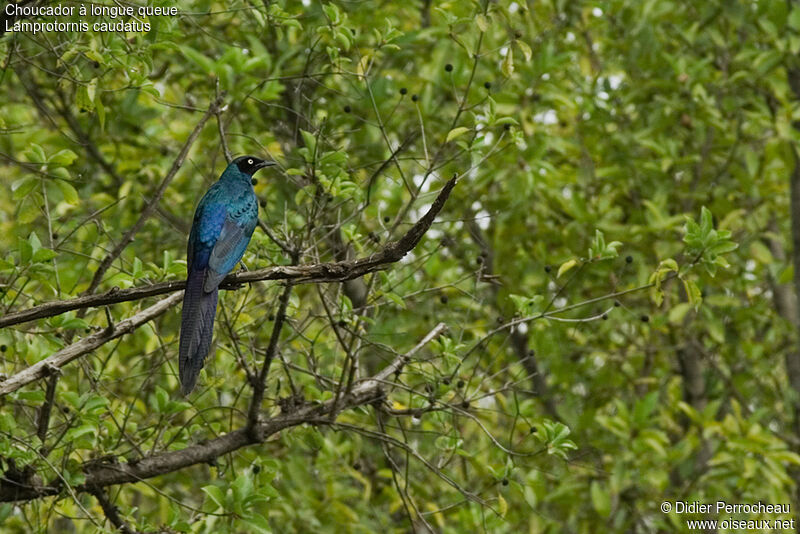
<point x="44" y="412"/>
<point x="218" y="112"/>
<point x="111" y="511"/>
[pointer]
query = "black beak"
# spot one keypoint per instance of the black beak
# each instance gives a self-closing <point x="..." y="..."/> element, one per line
<point x="263" y="164"/>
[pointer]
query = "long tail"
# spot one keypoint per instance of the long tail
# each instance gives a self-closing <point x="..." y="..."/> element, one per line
<point x="197" y="329"/>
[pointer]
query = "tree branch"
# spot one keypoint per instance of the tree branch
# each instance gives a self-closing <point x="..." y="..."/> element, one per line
<point x="111" y="511"/>
<point x="260" y="383"/>
<point x="316" y="273"/>
<point x="58" y="360"/>
<point x="112" y="472"/>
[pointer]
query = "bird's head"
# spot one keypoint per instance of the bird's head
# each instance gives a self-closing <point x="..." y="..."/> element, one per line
<point x="250" y="164"/>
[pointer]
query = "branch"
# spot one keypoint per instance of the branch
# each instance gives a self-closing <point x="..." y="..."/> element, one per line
<point x="260" y="382"/>
<point x="339" y="271"/>
<point x="58" y="360"/>
<point x="111" y="511"/>
<point x="112" y="472"/>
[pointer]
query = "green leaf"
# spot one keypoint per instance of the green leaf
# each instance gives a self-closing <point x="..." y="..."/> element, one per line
<point x="205" y="63"/>
<point x="566" y="266"/>
<point x="502" y="505"/>
<point x="75" y="323"/>
<point x="310" y="142"/>
<point x="526" y="50"/>
<point x="257" y="523"/>
<point x="35" y="154"/>
<point x="82" y="100"/>
<point x="69" y="192"/>
<point x="44" y="254"/>
<point x="482" y="22"/>
<point x="23" y="187"/>
<point x="693" y="293"/>
<point x="678" y="312"/>
<point x="507" y="66"/>
<point x="397" y="299"/>
<point x="601" y="500"/>
<point x="215" y="495"/>
<point x="455" y="132"/>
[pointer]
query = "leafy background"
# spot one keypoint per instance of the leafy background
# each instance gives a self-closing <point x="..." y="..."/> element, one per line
<point x="626" y="169"/>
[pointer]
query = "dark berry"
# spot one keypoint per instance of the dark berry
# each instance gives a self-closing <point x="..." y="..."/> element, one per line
<point x="443" y="299"/>
<point x="357" y="466"/>
<point x="55" y="236"/>
<point x="506" y="127"/>
<point x="448" y="67"/>
<point x="547" y="268"/>
<point x="617" y="304"/>
<point x="253" y="181"/>
<point x="414" y="98"/>
<point x="263" y="203"/>
<point x="505" y="482"/>
<point x="256" y="469"/>
<point x="488" y="85"/>
<point x="347" y="109"/>
<point x="605" y="317"/>
<point x="465" y="405"/>
<point x="271" y="318"/>
<point x="446" y="381"/>
<point x="645" y="318"/>
<point x="517" y="34"/>
<point x="628" y="259"/>
<point x="460" y="384"/>
<point x="533" y="430"/>
<point x="96" y="64"/>
<point x="342" y="323"/>
<point x="3" y="348"/>
<point x="386" y="219"/>
<point x="403" y="91"/>
<point x="500" y="320"/>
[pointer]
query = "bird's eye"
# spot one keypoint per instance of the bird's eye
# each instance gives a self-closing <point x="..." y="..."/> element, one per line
<point x="250" y="161"/>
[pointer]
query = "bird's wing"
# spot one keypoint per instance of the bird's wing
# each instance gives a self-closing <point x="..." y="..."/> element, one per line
<point x="227" y="251"/>
<point x="207" y="224"/>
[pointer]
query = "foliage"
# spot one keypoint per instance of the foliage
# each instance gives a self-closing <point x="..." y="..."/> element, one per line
<point x="570" y="393"/>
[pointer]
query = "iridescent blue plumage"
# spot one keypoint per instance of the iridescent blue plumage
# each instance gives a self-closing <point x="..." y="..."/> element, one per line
<point x="223" y="224"/>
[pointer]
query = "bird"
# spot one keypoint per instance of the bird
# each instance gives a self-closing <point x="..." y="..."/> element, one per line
<point x="221" y="230"/>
